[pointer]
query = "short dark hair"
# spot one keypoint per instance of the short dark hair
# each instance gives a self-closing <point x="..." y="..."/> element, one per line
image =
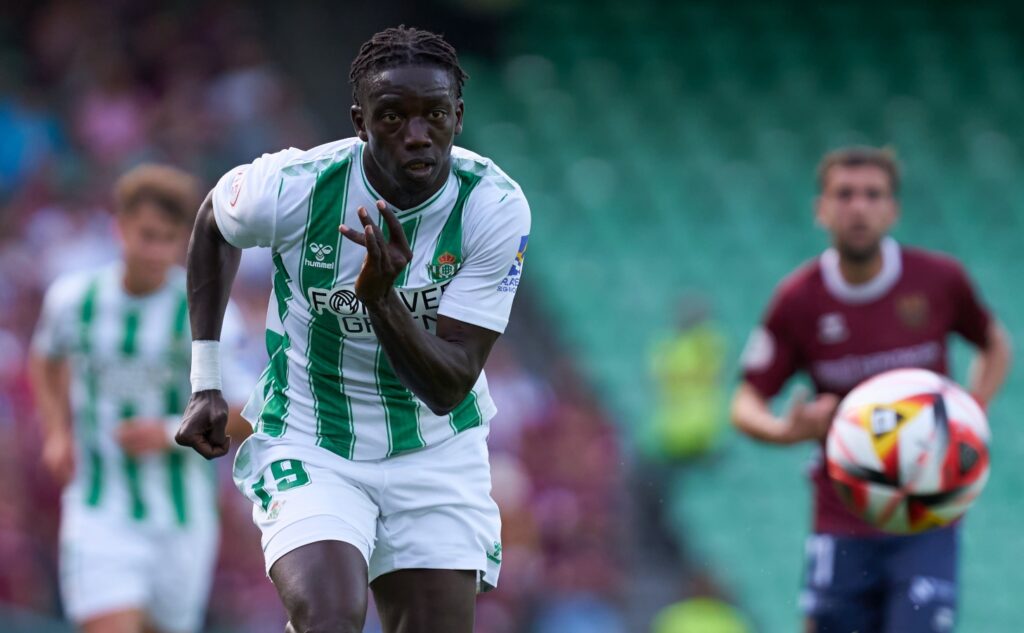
<point x="172" y="190"/>
<point x="405" y="46"/>
<point x="857" y="156"/>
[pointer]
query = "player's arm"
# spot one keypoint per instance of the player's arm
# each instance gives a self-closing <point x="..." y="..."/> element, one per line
<point x="441" y="370"/>
<point x="976" y="324"/>
<point x="803" y="420"/>
<point x="992" y="363"/>
<point x="212" y="264"/>
<point x="50" y="379"/>
<point x="770" y="358"/>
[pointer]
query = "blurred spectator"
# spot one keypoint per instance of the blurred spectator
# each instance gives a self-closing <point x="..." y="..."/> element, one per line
<point x="687" y="366"/>
<point x="700" y="615"/>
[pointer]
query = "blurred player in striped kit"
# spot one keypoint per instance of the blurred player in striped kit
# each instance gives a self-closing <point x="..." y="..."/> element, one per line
<point x="110" y="361"/>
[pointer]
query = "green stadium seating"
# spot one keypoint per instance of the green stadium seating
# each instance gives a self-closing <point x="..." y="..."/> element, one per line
<point x="668" y="146"/>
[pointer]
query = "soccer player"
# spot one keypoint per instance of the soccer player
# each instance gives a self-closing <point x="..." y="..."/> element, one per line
<point x="866" y="305"/>
<point x="397" y="258"/>
<point x="109" y="364"/>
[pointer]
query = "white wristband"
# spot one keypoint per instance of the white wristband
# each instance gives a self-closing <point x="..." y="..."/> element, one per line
<point x="205" y="365"/>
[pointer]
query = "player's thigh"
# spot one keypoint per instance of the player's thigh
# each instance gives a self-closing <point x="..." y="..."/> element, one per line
<point x="103" y="566"/>
<point x="182" y="578"/>
<point x="437" y="512"/>
<point x="126" y="621"/>
<point x="922" y="576"/>
<point x="297" y="502"/>
<point x="323" y="587"/>
<point x="426" y="600"/>
<point x="843" y="585"/>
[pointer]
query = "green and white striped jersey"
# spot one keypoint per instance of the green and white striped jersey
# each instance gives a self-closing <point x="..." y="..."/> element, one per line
<point x="129" y="358"/>
<point x="329" y="381"/>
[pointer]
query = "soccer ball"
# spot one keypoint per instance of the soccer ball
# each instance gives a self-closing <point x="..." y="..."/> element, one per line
<point x="908" y="450"/>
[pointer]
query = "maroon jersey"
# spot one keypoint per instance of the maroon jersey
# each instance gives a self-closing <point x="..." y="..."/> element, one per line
<point x="841" y="334"/>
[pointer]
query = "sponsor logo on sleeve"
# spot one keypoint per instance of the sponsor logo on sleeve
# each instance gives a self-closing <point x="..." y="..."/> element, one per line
<point x="511" y="281"/>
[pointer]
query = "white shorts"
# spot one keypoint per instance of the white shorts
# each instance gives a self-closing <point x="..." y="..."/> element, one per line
<point x="115" y="564"/>
<point x="428" y="509"/>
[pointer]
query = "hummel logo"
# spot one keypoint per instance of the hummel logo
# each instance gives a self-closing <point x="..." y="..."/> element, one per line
<point x="321" y="250"/>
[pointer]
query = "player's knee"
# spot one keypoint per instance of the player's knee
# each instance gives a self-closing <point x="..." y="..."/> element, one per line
<point x="308" y="617"/>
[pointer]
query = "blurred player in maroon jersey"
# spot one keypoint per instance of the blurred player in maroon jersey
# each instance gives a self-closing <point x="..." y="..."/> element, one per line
<point x="862" y="307"/>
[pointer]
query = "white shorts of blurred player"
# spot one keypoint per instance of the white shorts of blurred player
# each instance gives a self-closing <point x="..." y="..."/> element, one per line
<point x="427" y="509"/>
<point x="110" y="564"/>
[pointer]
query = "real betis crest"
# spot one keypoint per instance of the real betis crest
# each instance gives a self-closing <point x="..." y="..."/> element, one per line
<point x="445" y="267"/>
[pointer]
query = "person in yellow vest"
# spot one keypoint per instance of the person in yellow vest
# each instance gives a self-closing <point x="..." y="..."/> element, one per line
<point x="687" y="366"/>
<point x="700" y="615"/>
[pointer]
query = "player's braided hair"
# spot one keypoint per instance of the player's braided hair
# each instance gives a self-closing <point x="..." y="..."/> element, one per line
<point x="404" y="46"/>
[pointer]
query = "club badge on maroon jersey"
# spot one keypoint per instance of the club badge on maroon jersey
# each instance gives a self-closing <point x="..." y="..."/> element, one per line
<point x="832" y="328"/>
<point x="913" y="310"/>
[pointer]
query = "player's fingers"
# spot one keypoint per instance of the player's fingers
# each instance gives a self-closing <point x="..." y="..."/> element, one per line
<point x="827" y="402"/>
<point x="394" y="226"/>
<point x="798" y="397"/>
<point x="219" y="447"/>
<point x="196" y="442"/>
<point x="373" y="248"/>
<point x="364" y="218"/>
<point x="352" y="234"/>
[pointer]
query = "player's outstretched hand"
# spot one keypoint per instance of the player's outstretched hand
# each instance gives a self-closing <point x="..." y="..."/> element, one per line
<point x="810" y="420"/>
<point x="385" y="259"/>
<point x="204" y="425"/>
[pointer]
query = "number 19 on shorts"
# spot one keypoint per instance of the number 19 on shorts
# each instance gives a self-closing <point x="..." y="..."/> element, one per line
<point x="285" y="475"/>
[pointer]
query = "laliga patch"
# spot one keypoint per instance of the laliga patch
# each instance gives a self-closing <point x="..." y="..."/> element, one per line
<point x="517" y="265"/>
<point x="511" y="281"/>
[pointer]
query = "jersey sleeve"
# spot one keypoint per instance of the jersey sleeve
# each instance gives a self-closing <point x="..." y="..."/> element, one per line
<point x="245" y="201"/>
<point x="770" y="355"/>
<point x="482" y="291"/>
<point x="53" y="336"/>
<point x="972" y="317"/>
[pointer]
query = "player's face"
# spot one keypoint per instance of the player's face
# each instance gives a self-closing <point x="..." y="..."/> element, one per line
<point x="152" y="243"/>
<point x="409" y="116"/>
<point x="857" y="207"/>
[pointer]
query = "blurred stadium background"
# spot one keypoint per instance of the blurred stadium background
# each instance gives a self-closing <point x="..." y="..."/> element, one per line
<point x="667" y="149"/>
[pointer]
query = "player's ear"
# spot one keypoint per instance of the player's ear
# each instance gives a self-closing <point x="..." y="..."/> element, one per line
<point x="460" y="109"/>
<point x="359" y="123"/>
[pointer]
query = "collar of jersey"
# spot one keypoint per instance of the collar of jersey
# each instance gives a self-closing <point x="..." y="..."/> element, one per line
<point x="400" y="213"/>
<point x="838" y="287"/>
